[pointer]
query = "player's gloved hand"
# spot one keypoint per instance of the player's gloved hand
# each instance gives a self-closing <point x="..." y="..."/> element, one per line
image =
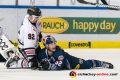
<point x="40" y="37"/>
<point x="45" y="65"/>
<point x="34" y="63"/>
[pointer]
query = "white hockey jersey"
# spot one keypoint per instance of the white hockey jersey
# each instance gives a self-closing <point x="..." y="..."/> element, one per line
<point x="28" y="36"/>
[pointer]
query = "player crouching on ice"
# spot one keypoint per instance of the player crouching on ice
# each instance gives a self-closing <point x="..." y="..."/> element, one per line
<point x="52" y="57"/>
<point x="13" y="56"/>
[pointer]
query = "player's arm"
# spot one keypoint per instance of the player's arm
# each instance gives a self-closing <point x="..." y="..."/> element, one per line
<point x="40" y="34"/>
<point x="57" y="65"/>
<point x="40" y="37"/>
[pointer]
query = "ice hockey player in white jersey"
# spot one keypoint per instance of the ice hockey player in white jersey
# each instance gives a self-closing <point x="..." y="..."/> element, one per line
<point x="29" y="37"/>
<point x="29" y="34"/>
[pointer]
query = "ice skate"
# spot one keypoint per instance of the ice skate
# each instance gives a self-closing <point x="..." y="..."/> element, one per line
<point x="107" y="65"/>
<point x="11" y="61"/>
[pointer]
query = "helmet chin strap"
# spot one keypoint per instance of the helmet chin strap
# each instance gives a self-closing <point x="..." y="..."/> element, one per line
<point x="32" y="19"/>
<point x="49" y="49"/>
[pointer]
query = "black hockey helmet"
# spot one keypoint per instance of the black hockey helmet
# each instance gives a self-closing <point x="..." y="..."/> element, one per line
<point x="33" y="10"/>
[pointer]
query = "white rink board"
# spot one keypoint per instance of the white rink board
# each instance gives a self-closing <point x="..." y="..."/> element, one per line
<point x="110" y="55"/>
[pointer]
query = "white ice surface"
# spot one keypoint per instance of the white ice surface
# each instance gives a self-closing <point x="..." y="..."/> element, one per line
<point x="109" y="55"/>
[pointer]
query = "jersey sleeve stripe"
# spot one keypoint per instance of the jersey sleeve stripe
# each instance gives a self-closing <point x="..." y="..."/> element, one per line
<point x="30" y="53"/>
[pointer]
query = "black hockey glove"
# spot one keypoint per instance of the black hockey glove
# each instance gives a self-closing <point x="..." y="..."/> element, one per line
<point x="45" y="65"/>
<point x="34" y="63"/>
<point x="40" y="37"/>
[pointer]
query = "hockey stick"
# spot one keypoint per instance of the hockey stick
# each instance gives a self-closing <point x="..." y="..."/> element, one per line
<point x="20" y="68"/>
<point x="39" y="68"/>
<point x="112" y="7"/>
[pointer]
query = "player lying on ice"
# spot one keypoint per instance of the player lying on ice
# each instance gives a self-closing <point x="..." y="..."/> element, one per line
<point x="52" y="57"/>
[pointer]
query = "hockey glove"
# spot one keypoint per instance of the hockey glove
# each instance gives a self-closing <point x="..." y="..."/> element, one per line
<point x="40" y="37"/>
<point x="45" y="65"/>
<point x="34" y="63"/>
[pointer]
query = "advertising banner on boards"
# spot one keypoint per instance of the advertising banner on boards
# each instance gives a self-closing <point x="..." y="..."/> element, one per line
<point x="80" y="25"/>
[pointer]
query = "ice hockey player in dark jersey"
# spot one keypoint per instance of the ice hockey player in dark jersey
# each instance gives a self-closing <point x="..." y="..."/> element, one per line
<point x="52" y="57"/>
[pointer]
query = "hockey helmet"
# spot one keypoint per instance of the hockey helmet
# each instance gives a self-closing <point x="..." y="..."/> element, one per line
<point x="48" y="40"/>
<point x="33" y="10"/>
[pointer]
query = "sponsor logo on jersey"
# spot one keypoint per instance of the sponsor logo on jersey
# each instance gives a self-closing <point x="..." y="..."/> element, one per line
<point x="40" y="23"/>
<point x="60" y="58"/>
<point x="33" y="29"/>
<point x="53" y="25"/>
<point x="78" y="66"/>
<point x="80" y="61"/>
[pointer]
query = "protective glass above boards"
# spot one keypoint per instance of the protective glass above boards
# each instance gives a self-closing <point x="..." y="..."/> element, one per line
<point x="88" y="2"/>
<point x="106" y="4"/>
<point x="38" y="2"/>
<point x="7" y="2"/>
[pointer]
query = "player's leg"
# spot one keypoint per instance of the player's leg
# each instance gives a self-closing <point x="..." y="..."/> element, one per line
<point x="23" y="63"/>
<point x="8" y="51"/>
<point x="30" y="58"/>
<point x="98" y="63"/>
<point x="78" y="63"/>
<point x="12" y="60"/>
<point x="18" y="63"/>
<point x="14" y="56"/>
<point x="89" y="64"/>
<point x="37" y="50"/>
